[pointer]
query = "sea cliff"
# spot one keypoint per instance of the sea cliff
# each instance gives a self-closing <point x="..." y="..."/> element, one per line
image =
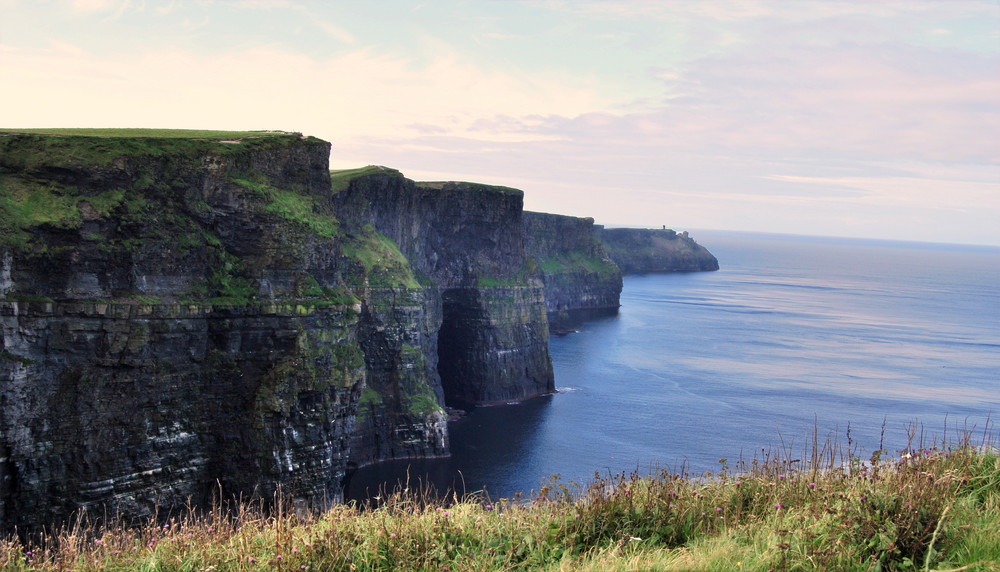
<point x="182" y="318"/>
<point x="640" y="250"/>
<point x="185" y="318"/>
<point x="580" y="278"/>
<point x="179" y="318"/>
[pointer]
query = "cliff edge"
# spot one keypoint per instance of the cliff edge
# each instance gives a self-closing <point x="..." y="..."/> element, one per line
<point x="639" y="250"/>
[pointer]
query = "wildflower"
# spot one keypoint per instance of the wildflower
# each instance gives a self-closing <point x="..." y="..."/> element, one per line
<point x="249" y="558"/>
<point x="393" y="535"/>
<point x="489" y="507"/>
<point x="777" y="505"/>
<point x="295" y="551"/>
<point x="718" y="509"/>
<point x="812" y="485"/>
<point x="278" y="557"/>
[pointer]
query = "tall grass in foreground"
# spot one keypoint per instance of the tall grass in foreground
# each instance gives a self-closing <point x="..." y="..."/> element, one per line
<point x="934" y="508"/>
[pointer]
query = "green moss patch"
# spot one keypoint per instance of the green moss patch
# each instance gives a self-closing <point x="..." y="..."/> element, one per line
<point x="291" y="206"/>
<point x="384" y="265"/>
<point x="577" y="262"/>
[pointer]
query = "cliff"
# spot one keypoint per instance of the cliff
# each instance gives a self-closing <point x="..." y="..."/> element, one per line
<point x="187" y="317"/>
<point x="637" y="250"/>
<point x="578" y="274"/>
<point x="467" y="241"/>
<point x="182" y="318"/>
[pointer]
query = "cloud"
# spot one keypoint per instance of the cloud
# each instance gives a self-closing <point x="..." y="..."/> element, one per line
<point x="726" y="115"/>
<point x="358" y="93"/>
<point x="119" y="7"/>
<point x="92" y="5"/>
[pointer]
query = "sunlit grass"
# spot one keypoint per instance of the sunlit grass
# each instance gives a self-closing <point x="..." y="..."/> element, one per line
<point x="934" y="508"/>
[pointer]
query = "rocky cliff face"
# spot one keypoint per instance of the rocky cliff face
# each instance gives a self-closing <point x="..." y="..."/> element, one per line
<point x="637" y="250"/>
<point x="576" y="269"/>
<point x="467" y="240"/>
<point x="183" y="318"/>
<point x="186" y="317"/>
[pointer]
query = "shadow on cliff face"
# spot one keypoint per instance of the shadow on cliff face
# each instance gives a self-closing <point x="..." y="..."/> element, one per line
<point x="492" y="350"/>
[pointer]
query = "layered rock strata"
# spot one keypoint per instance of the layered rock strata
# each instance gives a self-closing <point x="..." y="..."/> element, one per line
<point x="578" y="274"/>
<point x="186" y="318"/>
<point x="468" y="241"/>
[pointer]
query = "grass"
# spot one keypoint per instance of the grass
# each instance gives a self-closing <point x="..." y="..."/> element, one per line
<point x="341" y="179"/>
<point x="293" y="207"/>
<point x="934" y="508"/>
<point x="578" y="262"/>
<point x="383" y="265"/>
<point x="150" y="133"/>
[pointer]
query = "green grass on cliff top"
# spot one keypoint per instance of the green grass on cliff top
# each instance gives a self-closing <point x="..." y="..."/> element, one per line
<point x="341" y="178"/>
<point x="470" y="186"/>
<point x="147" y="133"/>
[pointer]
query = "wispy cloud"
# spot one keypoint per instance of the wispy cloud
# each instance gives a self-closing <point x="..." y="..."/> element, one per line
<point x="801" y="117"/>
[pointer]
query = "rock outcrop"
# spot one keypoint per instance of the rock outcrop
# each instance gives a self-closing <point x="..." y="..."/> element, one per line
<point x="638" y="251"/>
<point x="186" y="318"/>
<point x="579" y="276"/>
<point x="466" y="240"/>
<point x="182" y="318"/>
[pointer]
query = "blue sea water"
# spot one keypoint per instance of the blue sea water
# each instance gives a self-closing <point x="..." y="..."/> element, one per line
<point x="867" y="343"/>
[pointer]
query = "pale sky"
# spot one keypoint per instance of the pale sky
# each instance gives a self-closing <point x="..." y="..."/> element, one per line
<point x="843" y="118"/>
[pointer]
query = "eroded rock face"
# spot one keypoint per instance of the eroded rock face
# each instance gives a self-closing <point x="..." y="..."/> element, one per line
<point x="468" y="241"/>
<point x="138" y="408"/>
<point x="185" y="318"/>
<point x="639" y="250"/>
<point x="576" y="270"/>
<point x="399" y="414"/>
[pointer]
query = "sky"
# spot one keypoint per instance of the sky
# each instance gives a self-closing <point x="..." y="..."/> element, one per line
<point x="875" y="119"/>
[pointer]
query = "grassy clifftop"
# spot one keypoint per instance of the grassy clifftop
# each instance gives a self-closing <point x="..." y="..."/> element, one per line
<point x="145" y="133"/>
<point x="233" y="200"/>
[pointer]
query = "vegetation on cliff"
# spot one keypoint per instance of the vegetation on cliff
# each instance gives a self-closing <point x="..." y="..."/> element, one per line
<point x="935" y="508"/>
<point x="640" y="250"/>
<point x="128" y="192"/>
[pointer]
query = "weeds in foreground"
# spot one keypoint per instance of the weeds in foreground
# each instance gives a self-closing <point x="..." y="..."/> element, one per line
<point x="935" y="508"/>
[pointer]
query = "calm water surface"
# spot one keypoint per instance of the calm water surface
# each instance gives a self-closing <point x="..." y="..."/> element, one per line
<point x="794" y="333"/>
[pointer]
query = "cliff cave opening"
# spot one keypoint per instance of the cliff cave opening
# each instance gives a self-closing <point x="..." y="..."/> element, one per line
<point x="460" y="339"/>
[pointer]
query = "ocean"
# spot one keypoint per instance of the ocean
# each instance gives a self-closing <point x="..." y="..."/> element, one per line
<point x="865" y="344"/>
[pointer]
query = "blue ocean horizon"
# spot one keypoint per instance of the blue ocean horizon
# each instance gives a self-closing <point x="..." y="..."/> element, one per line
<point x="867" y="344"/>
